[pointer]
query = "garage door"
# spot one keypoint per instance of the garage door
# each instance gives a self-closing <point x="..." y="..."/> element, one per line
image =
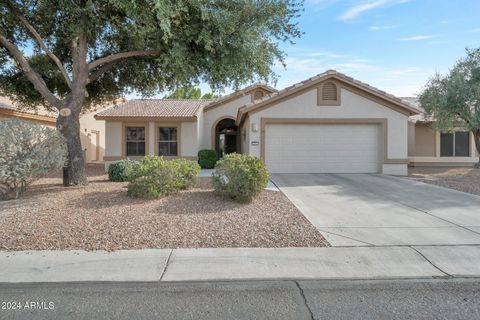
<point x="320" y="148"/>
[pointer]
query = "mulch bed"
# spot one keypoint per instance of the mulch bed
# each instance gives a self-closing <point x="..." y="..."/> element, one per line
<point x="461" y="179"/>
<point x="102" y="216"/>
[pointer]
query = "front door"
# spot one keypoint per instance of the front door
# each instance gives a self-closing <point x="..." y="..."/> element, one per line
<point x="226" y="140"/>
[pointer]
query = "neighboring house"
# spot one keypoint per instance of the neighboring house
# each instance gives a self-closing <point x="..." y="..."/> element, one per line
<point x="41" y="115"/>
<point x="92" y="131"/>
<point x="428" y="147"/>
<point x="328" y="123"/>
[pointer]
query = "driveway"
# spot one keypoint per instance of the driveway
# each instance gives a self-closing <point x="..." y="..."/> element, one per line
<point x="372" y="209"/>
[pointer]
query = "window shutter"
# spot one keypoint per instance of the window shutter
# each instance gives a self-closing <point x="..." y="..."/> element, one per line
<point x="329" y="92"/>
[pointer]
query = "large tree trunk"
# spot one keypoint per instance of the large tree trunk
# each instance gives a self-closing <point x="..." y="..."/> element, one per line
<point x="476" y="137"/>
<point x="74" y="172"/>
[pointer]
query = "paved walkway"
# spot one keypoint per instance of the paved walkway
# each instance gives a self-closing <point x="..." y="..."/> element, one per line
<point x="240" y="264"/>
<point x="378" y="210"/>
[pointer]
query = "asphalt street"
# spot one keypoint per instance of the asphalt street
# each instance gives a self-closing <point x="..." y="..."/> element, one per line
<point x="341" y="299"/>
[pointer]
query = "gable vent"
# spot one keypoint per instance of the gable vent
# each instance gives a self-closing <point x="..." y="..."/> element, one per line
<point x="329" y="92"/>
<point x="258" y="95"/>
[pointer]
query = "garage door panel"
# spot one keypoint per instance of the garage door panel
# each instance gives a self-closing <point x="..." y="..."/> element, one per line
<point x="296" y="148"/>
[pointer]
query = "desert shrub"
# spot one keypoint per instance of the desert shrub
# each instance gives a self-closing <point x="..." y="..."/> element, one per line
<point x="186" y="172"/>
<point x="28" y="151"/>
<point x="240" y="177"/>
<point x="118" y="170"/>
<point x="207" y="158"/>
<point x="154" y="177"/>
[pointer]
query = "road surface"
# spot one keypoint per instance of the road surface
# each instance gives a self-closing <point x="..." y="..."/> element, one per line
<point x="379" y="299"/>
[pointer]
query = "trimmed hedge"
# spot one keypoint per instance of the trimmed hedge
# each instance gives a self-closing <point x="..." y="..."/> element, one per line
<point x="207" y="158"/>
<point x="240" y="177"/>
<point x="155" y="177"/>
<point x="118" y="170"/>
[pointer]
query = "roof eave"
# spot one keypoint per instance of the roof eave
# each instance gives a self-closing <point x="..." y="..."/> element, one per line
<point x="244" y="110"/>
<point x="146" y="118"/>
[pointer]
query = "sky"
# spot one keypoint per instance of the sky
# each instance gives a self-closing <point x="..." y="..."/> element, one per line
<point x="394" y="45"/>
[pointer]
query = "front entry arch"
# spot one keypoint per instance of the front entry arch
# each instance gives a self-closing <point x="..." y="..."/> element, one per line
<point x="226" y="137"/>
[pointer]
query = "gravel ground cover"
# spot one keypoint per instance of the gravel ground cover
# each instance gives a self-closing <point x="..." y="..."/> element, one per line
<point x="102" y="216"/>
<point x="462" y="179"/>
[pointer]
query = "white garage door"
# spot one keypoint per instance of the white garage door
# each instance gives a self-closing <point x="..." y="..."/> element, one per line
<point x="339" y="148"/>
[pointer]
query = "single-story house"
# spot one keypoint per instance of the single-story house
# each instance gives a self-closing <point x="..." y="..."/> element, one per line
<point x="328" y="123"/>
<point x="92" y="131"/>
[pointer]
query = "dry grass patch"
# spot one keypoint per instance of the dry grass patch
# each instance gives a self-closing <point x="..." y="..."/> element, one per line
<point x="461" y="179"/>
<point x="102" y="216"/>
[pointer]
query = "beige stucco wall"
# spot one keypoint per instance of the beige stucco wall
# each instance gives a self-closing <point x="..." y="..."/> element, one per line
<point x="424" y="141"/>
<point x="92" y="137"/>
<point x="211" y="116"/>
<point x="113" y="138"/>
<point x="427" y="149"/>
<point x="188" y="137"/>
<point x="352" y="106"/>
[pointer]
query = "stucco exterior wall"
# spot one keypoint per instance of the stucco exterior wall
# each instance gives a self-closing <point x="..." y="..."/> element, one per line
<point x="113" y="139"/>
<point x="424" y="141"/>
<point x="92" y="134"/>
<point x="212" y="116"/>
<point x="189" y="139"/>
<point x="187" y="135"/>
<point x="427" y="150"/>
<point x="352" y="106"/>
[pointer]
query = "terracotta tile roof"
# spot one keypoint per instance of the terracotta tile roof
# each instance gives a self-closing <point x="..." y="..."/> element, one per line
<point x="7" y="104"/>
<point x="321" y="77"/>
<point x="163" y="108"/>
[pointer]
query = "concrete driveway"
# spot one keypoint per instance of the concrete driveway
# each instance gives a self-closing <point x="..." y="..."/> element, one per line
<point x="372" y="209"/>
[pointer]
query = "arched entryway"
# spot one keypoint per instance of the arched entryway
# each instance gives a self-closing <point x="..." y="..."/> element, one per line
<point x="226" y="137"/>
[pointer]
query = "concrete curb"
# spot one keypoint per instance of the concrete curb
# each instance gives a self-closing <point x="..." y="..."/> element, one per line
<point x="153" y="265"/>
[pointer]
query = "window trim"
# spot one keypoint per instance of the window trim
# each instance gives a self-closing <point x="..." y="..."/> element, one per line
<point x="124" y="138"/>
<point x="326" y="103"/>
<point x="168" y="141"/>
<point x="176" y="125"/>
<point x="454" y="142"/>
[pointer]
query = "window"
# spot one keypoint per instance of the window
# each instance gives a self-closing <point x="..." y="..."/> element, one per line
<point x="328" y="94"/>
<point x="455" y="144"/>
<point x="167" y="142"/>
<point x="135" y="141"/>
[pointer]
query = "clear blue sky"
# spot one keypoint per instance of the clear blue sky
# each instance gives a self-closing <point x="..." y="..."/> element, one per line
<point x="395" y="45"/>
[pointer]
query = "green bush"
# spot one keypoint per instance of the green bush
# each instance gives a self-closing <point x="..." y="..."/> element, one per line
<point x="118" y="170"/>
<point x="240" y="177"/>
<point x="186" y="172"/>
<point x="207" y="158"/>
<point x="28" y="151"/>
<point x="155" y="177"/>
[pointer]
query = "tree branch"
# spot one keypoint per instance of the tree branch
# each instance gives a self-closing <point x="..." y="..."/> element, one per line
<point x="33" y="76"/>
<point x="40" y="42"/>
<point x="122" y="56"/>
<point x="99" y="72"/>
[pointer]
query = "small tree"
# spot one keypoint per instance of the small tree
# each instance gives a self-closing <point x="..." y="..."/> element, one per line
<point x="453" y="100"/>
<point x="27" y="152"/>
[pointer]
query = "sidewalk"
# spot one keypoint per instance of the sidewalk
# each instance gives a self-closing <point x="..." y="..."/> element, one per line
<point x="241" y="264"/>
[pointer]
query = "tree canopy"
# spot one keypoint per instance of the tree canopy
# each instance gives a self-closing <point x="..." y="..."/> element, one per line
<point x="147" y="46"/>
<point x="453" y="100"/>
<point x="70" y="54"/>
<point x="190" y="92"/>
